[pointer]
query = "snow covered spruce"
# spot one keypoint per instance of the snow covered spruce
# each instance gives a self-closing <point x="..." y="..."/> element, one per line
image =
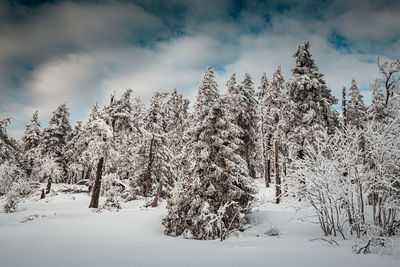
<point x="203" y="163"/>
<point x="214" y="190"/>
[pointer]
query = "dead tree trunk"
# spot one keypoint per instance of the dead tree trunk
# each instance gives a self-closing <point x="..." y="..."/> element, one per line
<point x="155" y="202"/>
<point x="149" y="167"/>
<point x="277" y="177"/>
<point x="94" y="203"/>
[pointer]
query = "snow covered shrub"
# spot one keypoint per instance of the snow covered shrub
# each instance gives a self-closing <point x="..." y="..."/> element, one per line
<point x="107" y="182"/>
<point x="9" y="173"/>
<point x="11" y="200"/>
<point x="273" y="231"/>
<point x="111" y="203"/>
<point x="338" y="172"/>
<point x="46" y="167"/>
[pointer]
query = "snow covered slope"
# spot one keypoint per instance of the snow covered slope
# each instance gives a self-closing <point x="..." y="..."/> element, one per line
<point x="66" y="233"/>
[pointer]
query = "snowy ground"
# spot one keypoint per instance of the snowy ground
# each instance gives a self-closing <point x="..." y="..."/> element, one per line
<point x="67" y="233"/>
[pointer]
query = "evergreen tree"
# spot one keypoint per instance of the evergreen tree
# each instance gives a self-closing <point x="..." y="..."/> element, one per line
<point x="311" y="102"/>
<point x="378" y="111"/>
<point x="176" y="121"/>
<point x="31" y="138"/>
<point x="54" y="137"/>
<point x="9" y="149"/>
<point x="153" y="159"/>
<point x="243" y="106"/>
<point x="214" y="189"/>
<point x="273" y="104"/>
<point x="356" y="109"/>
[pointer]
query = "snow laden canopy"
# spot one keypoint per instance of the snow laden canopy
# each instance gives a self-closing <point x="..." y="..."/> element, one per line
<point x="214" y="190"/>
<point x="311" y="101"/>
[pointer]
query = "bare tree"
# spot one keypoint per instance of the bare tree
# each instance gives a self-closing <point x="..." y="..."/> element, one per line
<point x="390" y="72"/>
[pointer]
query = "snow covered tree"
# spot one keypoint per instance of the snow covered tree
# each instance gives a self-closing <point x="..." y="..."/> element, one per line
<point x="9" y="149"/>
<point x="273" y="105"/>
<point x="10" y="173"/>
<point x="111" y="203"/>
<point x="378" y="111"/>
<point x="264" y="137"/>
<point x="11" y="202"/>
<point x="176" y="120"/>
<point x="31" y="138"/>
<point x="311" y="102"/>
<point x="243" y="105"/>
<point x="30" y="142"/>
<point x="153" y="160"/>
<point x="344" y="106"/>
<point x="214" y="189"/>
<point x="390" y="79"/>
<point x="54" y="137"/>
<point x="356" y="109"/>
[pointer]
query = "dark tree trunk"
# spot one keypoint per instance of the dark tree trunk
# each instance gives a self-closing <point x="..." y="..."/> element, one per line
<point x="277" y="177"/>
<point x="43" y="195"/>
<point x="94" y="203"/>
<point x="149" y="168"/>
<point x="155" y="202"/>
<point x="48" y="188"/>
<point x="268" y="176"/>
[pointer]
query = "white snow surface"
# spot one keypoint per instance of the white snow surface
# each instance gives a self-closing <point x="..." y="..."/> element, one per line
<point x="65" y="232"/>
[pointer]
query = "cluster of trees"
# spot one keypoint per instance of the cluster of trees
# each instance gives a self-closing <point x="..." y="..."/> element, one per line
<point x="204" y="161"/>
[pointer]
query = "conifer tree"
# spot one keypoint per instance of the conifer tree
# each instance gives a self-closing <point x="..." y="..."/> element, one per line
<point x="153" y="159"/>
<point x="311" y="102"/>
<point x="243" y="106"/>
<point x="273" y="106"/>
<point x="214" y="189"/>
<point x="54" y="137"/>
<point x="356" y="109"/>
<point x="176" y="120"/>
<point x="31" y="138"/>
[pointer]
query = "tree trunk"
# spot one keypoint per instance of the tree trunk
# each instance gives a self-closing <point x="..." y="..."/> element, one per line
<point x="48" y="188"/>
<point x="277" y="178"/>
<point x="155" y="202"/>
<point x="267" y="173"/>
<point x="246" y="154"/>
<point x="43" y="195"/>
<point x="344" y="109"/>
<point x="149" y="167"/>
<point x="94" y="203"/>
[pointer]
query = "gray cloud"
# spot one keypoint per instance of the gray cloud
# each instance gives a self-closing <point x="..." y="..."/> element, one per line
<point x="82" y="51"/>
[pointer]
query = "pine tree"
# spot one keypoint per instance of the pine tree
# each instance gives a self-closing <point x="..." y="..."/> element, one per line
<point x="214" y="189"/>
<point x="9" y="149"/>
<point x="356" y="109"/>
<point x="176" y="121"/>
<point x="31" y="138"/>
<point x="273" y="104"/>
<point x="242" y="104"/>
<point x="311" y="102"/>
<point x="264" y="137"/>
<point x="54" y="137"/>
<point x="153" y="159"/>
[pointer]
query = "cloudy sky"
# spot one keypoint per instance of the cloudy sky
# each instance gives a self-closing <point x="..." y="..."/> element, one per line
<point x="81" y="51"/>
